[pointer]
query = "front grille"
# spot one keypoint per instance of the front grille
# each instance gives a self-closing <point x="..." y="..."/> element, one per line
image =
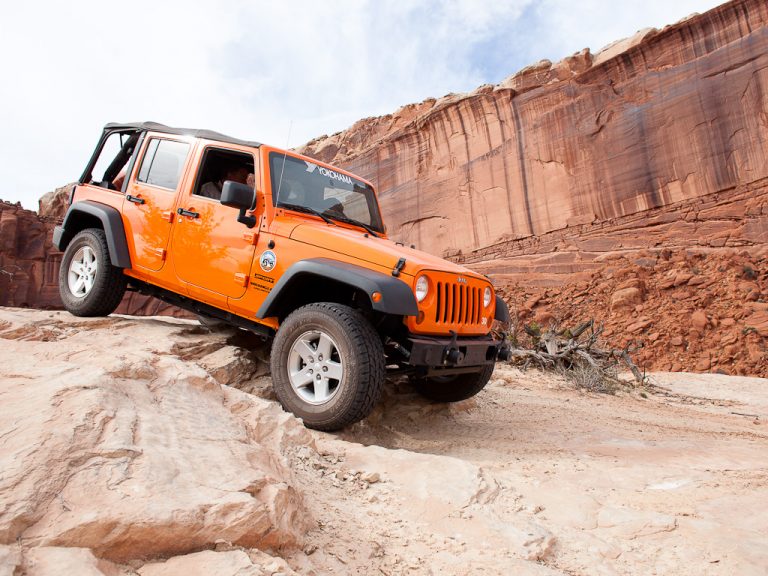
<point x="458" y="304"/>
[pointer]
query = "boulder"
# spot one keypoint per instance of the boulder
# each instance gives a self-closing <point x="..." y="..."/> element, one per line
<point x="128" y="447"/>
<point x="699" y="320"/>
<point x="758" y="318"/>
<point x="626" y="298"/>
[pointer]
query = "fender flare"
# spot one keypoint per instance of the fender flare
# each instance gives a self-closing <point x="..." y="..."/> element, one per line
<point x="111" y="221"/>
<point x="396" y="296"/>
<point x="502" y="311"/>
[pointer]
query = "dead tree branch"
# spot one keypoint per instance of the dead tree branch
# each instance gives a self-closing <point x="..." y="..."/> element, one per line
<point x="575" y="353"/>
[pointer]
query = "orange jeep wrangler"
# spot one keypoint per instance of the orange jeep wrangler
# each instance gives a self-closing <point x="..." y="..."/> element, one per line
<point x="282" y="245"/>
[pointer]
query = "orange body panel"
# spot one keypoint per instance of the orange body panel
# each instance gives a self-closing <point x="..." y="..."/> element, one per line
<point x="213" y="252"/>
<point x="148" y="225"/>
<point x="97" y="194"/>
<point x="217" y="260"/>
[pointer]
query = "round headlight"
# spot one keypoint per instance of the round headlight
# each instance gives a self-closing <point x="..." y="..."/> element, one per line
<point x="422" y="287"/>
<point x="487" y="297"/>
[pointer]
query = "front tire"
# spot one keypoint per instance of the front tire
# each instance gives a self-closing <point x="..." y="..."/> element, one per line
<point x="453" y="388"/>
<point x="327" y="365"/>
<point x="88" y="283"/>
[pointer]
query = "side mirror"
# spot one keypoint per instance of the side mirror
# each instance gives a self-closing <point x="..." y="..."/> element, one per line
<point x="242" y="196"/>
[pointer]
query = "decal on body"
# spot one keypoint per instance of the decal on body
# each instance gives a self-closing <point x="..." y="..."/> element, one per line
<point x="311" y="167"/>
<point x="267" y="260"/>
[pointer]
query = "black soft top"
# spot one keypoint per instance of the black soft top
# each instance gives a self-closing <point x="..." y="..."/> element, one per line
<point x="196" y="132"/>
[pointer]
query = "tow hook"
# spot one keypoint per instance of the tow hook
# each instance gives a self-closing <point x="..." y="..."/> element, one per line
<point x="452" y="354"/>
<point x="396" y="345"/>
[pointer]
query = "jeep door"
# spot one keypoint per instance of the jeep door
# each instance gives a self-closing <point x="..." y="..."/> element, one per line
<point x="151" y="197"/>
<point x="212" y="251"/>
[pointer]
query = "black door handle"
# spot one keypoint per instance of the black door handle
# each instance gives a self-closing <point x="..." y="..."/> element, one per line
<point x="183" y="212"/>
<point x="135" y="199"/>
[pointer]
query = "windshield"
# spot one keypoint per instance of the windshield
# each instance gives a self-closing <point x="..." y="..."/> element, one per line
<point x="303" y="183"/>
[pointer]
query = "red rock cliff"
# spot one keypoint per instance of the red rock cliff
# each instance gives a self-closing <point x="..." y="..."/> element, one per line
<point x="681" y="114"/>
<point x="28" y="263"/>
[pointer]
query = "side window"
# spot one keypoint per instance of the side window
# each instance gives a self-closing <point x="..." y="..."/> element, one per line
<point x="220" y="165"/>
<point x="163" y="163"/>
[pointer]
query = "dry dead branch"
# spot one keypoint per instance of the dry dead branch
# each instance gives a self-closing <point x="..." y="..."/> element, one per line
<point x="577" y="354"/>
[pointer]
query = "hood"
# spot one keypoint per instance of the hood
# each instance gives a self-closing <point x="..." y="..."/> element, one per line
<point x="377" y="251"/>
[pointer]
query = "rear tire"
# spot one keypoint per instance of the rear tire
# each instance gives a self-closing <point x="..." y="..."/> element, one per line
<point x="453" y="388"/>
<point x="88" y="283"/>
<point x="327" y="365"/>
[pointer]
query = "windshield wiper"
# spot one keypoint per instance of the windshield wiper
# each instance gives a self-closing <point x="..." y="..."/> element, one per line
<point x="306" y="210"/>
<point x="354" y="222"/>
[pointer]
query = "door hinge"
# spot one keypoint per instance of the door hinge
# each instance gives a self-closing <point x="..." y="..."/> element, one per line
<point x="241" y="279"/>
<point x="250" y="237"/>
<point x="160" y="252"/>
<point x="167" y="215"/>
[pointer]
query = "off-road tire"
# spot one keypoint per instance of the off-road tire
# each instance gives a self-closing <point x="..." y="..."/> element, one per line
<point x="109" y="282"/>
<point x="362" y="357"/>
<point x="453" y="388"/>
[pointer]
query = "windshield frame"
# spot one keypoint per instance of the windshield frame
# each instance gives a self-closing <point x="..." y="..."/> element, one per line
<point x="275" y="162"/>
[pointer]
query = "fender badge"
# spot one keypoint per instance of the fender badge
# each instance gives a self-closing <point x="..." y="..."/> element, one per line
<point x="267" y="260"/>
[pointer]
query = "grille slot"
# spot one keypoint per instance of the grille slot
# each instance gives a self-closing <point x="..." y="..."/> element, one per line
<point x="457" y="304"/>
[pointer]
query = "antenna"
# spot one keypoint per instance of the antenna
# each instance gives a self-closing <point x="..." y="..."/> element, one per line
<point x="282" y="169"/>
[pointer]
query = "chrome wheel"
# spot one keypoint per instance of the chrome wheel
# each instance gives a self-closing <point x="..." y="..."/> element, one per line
<point x="82" y="272"/>
<point x="315" y="367"/>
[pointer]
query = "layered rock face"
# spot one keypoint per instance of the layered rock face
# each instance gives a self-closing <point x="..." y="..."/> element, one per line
<point x="28" y="262"/>
<point x="680" y="114"/>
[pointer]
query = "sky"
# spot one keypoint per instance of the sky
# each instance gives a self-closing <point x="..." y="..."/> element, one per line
<point x="280" y="72"/>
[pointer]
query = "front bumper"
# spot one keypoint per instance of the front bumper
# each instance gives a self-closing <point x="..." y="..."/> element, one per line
<point x="454" y="352"/>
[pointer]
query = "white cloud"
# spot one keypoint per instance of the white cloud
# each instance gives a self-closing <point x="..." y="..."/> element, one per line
<point x="251" y="68"/>
<point x="566" y="27"/>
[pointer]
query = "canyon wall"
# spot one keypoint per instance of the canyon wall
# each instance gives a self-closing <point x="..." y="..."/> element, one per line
<point x="654" y="121"/>
<point x="29" y="265"/>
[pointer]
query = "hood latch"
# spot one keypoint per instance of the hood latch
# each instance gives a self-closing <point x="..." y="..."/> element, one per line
<point x="398" y="267"/>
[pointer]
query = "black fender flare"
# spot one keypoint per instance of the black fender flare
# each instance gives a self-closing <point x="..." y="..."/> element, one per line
<point x="502" y="311"/>
<point x="110" y="220"/>
<point x="396" y="296"/>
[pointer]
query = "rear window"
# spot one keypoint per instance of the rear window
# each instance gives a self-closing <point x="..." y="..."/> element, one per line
<point x="163" y="163"/>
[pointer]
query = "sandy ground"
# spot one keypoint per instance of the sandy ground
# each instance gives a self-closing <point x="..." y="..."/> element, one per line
<point x="530" y="477"/>
<point x="576" y="483"/>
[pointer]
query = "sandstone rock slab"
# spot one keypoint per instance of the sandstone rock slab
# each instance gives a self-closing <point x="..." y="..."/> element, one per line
<point x="54" y="561"/>
<point x="209" y="563"/>
<point x="136" y="450"/>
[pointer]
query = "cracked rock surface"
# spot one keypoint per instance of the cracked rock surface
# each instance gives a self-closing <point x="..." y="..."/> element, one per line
<point x="125" y="448"/>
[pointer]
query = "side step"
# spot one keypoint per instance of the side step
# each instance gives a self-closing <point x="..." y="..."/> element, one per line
<point x="196" y="307"/>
